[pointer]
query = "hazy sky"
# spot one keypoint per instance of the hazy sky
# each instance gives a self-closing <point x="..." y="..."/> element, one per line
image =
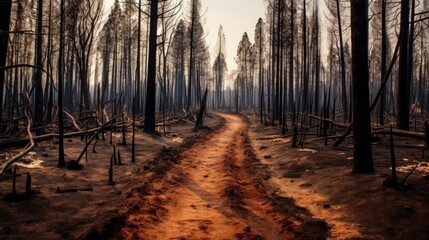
<point x="235" y="16"/>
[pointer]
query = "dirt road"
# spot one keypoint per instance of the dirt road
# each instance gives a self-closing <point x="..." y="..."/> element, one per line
<point x="209" y="194"/>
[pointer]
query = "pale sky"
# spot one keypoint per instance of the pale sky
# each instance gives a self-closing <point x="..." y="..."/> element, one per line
<point x="235" y="16"/>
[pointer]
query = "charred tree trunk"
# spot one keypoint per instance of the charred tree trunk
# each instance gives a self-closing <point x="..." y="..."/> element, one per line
<point x="136" y="104"/>
<point x="304" y="60"/>
<point x="199" y="122"/>
<point x="5" y="9"/>
<point x="61" y="162"/>
<point x="343" y="64"/>
<point x="149" y="125"/>
<point x="291" y="54"/>
<point x="383" y="59"/>
<point x="362" y="152"/>
<point x="38" y="110"/>
<point x="403" y="104"/>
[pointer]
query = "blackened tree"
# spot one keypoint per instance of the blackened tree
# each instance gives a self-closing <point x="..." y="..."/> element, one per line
<point x="362" y="152"/>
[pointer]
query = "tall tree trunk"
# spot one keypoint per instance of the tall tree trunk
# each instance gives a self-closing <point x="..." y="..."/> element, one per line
<point x="304" y="59"/>
<point x="277" y="62"/>
<point x="260" y="76"/>
<point x="291" y="55"/>
<point x="410" y="56"/>
<point x="61" y="162"/>
<point x="136" y="106"/>
<point x="362" y="152"/>
<point x="343" y="65"/>
<point x="149" y="125"/>
<point x="49" y="81"/>
<point x="383" y="58"/>
<point x="38" y="110"/>
<point x="5" y="8"/>
<point x="403" y="102"/>
<point x="191" y="56"/>
<point x="273" y="71"/>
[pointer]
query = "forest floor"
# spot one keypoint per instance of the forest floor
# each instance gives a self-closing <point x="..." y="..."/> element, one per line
<point x="233" y="180"/>
<point x="355" y="206"/>
<point x="78" y="204"/>
<point x="216" y="191"/>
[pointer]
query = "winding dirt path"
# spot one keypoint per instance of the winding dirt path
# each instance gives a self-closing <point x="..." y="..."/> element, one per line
<point x="210" y="194"/>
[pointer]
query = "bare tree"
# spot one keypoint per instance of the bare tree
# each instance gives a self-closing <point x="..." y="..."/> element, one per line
<point x="88" y="14"/>
<point x="61" y="161"/>
<point x="38" y="110"/>
<point x="403" y="81"/>
<point x="149" y="125"/>
<point x="219" y="67"/>
<point x="362" y="151"/>
<point x="195" y="32"/>
<point x="5" y="10"/>
<point x="178" y="51"/>
<point x="259" y="52"/>
<point x="335" y="9"/>
<point x="243" y="59"/>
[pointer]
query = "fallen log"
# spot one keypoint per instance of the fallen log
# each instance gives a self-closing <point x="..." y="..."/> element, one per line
<point x="26" y="150"/>
<point x="329" y="121"/>
<point x="401" y="133"/>
<point x="322" y="138"/>
<point x="71" y="190"/>
<point x="19" y="142"/>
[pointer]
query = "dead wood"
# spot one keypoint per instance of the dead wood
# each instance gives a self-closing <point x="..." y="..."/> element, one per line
<point x="380" y="91"/>
<point x="93" y="136"/>
<point x="26" y="149"/>
<point x="322" y="138"/>
<point x="200" y="118"/>
<point x="401" y="133"/>
<point x="329" y="121"/>
<point x="15" y="142"/>
<point x="69" y="190"/>
<point x="74" y="123"/>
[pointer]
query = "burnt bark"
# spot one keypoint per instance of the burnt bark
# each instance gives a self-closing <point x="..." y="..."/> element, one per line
<point x="5" y="9"/>
<point x="149" y="125"/>
<point x="403" y="105"/>
<point x="362" y="152"/>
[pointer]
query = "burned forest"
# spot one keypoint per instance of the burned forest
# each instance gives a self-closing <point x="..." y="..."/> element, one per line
<point x="198" y="119"/>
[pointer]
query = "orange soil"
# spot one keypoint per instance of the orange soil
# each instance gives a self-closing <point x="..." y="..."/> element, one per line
<point x="80" y="214"/>
<point x="210" y="194"/>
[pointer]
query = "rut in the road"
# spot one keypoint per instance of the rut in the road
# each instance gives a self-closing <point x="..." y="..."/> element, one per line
<point x="210" y="194"/>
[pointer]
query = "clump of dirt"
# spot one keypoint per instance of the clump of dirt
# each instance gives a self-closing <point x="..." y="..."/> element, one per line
<point x="10" y="197"/>
<point x="104" y="227"/>
<point x="234" y="195"/>
<point x="314" y="229"/>
<point x="247" y="234"/>
<point x="164" y="160"/>
<point x="73" y="165"/>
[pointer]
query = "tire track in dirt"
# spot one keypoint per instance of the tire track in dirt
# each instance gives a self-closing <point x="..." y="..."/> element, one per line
<point x="210" y="194"/>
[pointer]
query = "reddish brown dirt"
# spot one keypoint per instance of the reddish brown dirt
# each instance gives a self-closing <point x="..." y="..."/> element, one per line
<point x="80" y="214"/>
<point x="210" y="194"/>
<point x="355" y="206"/>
